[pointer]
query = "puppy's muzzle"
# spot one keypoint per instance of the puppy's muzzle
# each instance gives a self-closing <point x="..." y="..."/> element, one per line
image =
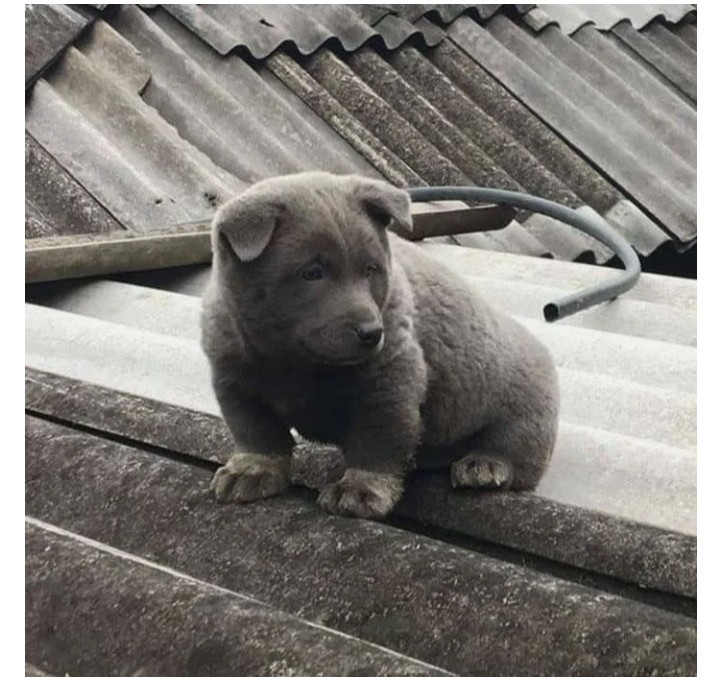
<point x="370" y="334"/>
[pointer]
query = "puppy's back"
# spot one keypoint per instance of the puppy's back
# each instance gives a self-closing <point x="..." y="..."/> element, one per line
<point x="479" y="359"/>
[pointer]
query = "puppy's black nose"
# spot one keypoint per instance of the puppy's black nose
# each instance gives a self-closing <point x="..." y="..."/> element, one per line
<point x="369" y="333"/>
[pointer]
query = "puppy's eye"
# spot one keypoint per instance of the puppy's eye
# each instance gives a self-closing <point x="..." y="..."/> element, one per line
<point x="313" y="272"/>
<point x="371" y="270"/>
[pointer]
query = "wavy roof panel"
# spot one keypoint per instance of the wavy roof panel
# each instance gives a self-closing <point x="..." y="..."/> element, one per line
<point x="570" y="18"/>
<point x="597" y="120"/>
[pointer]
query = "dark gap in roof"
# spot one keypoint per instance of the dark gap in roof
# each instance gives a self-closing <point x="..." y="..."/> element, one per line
<point x="669" y="261"/>
<point x="688" y="33"/>
<point x="666" y="260"/>
<point x="165" y="453"/>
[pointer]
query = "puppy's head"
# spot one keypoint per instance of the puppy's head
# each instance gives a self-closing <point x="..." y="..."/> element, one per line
<point x="305" y="260"/>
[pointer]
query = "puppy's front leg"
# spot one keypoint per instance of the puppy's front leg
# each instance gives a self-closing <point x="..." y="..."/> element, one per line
<point x="380" y="445"/>
<point x="261" y="466"/>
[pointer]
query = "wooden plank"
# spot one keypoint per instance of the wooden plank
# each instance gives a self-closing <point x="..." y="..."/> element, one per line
<point x="455" y="221"/>
<point x="57" y="258"/>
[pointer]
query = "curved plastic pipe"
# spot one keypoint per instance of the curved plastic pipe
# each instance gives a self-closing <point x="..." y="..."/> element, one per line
<point x="591" y="224"/>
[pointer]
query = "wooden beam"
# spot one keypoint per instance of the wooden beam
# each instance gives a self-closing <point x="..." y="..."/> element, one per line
<point x="48" y="259"/>
<point x="62" y="257"/>
<point x="454" y="221"/>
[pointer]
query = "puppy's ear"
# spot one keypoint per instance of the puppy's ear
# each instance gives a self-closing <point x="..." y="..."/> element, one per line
<point x="385" y="203"/>
<point x="247" y="224"/>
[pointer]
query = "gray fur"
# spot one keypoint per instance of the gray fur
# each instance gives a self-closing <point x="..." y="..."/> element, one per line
<point x="300" y="262"/>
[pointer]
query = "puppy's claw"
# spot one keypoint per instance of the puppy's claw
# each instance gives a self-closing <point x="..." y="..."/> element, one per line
<point x="481" y="471"/>
<point x="248" y="477"/>
<point x="362" y="494"/>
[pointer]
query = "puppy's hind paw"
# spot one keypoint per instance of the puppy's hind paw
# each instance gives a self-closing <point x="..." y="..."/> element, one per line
<point x="481" y="471"/>
<point x="362" y="494"/>
<point x="248" y="477"/>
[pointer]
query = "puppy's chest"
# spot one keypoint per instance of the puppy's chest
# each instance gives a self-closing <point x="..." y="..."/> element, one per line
<point x="318" y="406"/>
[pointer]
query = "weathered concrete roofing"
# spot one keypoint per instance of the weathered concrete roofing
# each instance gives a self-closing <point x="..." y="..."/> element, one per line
<point x="493" y="104"/>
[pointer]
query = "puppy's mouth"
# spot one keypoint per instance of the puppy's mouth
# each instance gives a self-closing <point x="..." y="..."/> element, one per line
<point x="356" y="359"/>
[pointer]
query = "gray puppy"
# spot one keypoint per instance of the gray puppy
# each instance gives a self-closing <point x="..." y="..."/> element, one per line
<point x="318" y="318"/>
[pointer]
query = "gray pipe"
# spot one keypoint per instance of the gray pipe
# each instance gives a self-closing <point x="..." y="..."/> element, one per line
<point x="590" y="223"/>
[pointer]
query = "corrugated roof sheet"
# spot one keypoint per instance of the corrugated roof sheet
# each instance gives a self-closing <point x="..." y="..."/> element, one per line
<point x="493" y="104"/>
<point x="262" y="29"/>
<point x="444" y="113"/>
<point x="598" y="113"/>
<point x="604" y="17"/>
<point x="409" y="595"/>
<point x="144" y="157"/>
<point x="115" y="362"/>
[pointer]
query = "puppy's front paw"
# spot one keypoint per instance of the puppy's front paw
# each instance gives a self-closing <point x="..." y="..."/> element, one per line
<point x="366" y="495"/>
<point x="248" y="477"/>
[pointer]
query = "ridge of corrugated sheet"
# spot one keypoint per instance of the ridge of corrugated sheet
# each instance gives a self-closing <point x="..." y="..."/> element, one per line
<point x="570" y="18"/>
<point x="49" y="29"/>
<point x="263" y="29"/>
